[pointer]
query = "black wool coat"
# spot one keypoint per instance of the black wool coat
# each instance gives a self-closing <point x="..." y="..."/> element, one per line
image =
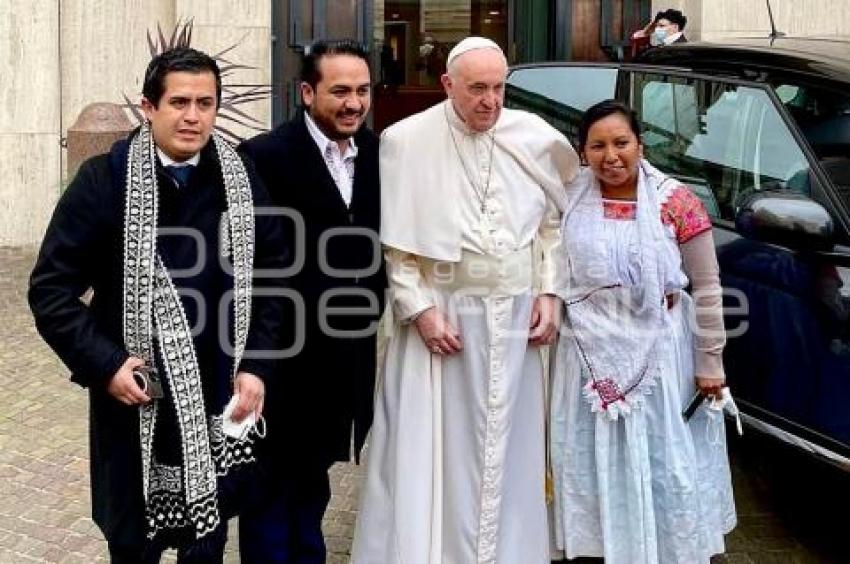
<point x="83" y="248"/>
<point x="324" y="394"/>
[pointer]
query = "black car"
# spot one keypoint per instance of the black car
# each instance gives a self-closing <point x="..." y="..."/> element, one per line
<point x="760" y="131"/>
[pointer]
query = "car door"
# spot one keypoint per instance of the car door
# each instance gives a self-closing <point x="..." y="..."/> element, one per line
<point x="787" y="357"/>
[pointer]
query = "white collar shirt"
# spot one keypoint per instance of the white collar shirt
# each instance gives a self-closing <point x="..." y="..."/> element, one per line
<point x="340" y="166"/>
<point x="168" y="161"/>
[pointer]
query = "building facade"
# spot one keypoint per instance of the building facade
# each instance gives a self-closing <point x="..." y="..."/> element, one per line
<point x="711" y="20"/>
<point x="410" y="39"/>
<point x="58" y="56"/>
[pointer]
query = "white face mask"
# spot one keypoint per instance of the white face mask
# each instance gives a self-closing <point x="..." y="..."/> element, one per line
<point x="658" y="36"/>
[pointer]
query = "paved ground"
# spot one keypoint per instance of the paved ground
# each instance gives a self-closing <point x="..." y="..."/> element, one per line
<point x="783" y="501"/>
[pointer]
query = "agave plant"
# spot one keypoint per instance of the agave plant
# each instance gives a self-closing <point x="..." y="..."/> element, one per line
<point x="232" y="95"/>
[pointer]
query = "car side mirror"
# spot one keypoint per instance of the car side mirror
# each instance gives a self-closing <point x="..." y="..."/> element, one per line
<point x="786" y="218"/>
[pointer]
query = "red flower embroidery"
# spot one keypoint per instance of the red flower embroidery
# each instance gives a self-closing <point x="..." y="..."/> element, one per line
<point x="614" y="209"/>
<point x="608" y="391"/>
<point x="682" y="210"/>
<point x="685" y="212"/>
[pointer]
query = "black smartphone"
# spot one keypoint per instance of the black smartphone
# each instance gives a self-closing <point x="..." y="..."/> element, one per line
<point x="695" y="402"/>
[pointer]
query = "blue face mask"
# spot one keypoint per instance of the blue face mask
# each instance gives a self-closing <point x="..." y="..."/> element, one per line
<point x="658" y="36"/>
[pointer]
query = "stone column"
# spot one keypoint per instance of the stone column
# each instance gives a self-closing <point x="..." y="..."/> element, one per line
<point x="29" y="119"/>
<point x="218" y="25"/>
<point x="104" y="51"/>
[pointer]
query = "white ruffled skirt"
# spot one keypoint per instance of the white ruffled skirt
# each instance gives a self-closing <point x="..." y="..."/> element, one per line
<point x="648" y="487"/>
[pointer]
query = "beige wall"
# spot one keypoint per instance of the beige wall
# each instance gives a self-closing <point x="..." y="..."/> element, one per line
<point x="749" y="17"/>
<point x="715" y="19"/>
<point x="218" y="25"/>
<point x="58" y="56"/>
<point x="29" y="118"/>
<point x="101" y="69"/>
<point x="104" y="51"/>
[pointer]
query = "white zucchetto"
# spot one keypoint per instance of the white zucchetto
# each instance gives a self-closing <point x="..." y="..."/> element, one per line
<point x="470" y="44"/>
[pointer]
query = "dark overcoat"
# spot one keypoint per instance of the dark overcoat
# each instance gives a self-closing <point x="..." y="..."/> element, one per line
<point x="83" y="248"/>
<point x="325" y="404"/>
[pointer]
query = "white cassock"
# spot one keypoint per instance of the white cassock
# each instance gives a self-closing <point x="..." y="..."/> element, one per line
<point x="456" y="461"/>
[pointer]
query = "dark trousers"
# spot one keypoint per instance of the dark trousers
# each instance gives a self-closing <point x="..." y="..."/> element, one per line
<point x="287" y="529"/>
<point x="208" y="550"/>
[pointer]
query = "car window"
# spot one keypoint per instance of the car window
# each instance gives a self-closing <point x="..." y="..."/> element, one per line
<point x="721" y="139"/>
<point x="823" y="116"/>
<point x="560" y="94"/>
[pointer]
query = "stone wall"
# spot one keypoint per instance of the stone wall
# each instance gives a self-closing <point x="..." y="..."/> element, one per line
<point x="715" y="19"/>
<point x="222" y="23"/>
<point x="103" y="50"/>
<point x="58" y="56"/>
<point x="29" y="118"/>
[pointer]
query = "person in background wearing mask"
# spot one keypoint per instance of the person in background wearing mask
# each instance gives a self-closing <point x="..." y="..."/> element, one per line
<point x="666" y="28"/>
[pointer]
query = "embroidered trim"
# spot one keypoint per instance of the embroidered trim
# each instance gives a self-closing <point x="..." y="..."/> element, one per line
<point x="150" y="297"/>
<point x="184" y="381"/>
<point x="498" y="311"/>
<point x="684" y="214"/>
<point x="166" y="508"/>
<point x="140" y="220"/>
<point x="166" y="478"/>
<point x="240" y="215"/>
<point x="227" y="451"/>
<point x="623" y="210"/>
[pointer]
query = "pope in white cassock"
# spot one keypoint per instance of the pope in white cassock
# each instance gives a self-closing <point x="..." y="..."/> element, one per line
<point x="471" y="202"/>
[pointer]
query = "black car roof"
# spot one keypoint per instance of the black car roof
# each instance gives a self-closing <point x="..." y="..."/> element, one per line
<point x="818" y="58"/>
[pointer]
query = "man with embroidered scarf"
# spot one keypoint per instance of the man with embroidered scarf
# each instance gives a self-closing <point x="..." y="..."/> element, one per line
<point x="163" y="230"/>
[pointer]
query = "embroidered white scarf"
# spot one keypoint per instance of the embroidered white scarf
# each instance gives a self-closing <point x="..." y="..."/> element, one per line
<point x="152" y="307"/>
<point x="617" y="326"/>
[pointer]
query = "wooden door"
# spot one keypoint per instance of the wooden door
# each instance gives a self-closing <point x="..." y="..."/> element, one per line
<point x="596" y="30"/>
<point x="296" y="24"/>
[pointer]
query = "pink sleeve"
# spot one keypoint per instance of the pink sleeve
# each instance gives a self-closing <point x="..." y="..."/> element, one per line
<point x="686" y="214"/>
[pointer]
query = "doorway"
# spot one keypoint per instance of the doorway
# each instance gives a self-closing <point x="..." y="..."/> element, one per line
<point x="414" y="38"/>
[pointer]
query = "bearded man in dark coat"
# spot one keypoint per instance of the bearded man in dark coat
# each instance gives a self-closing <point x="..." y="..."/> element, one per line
<point x="322" y="168"/>
<point x="163" y="229"/>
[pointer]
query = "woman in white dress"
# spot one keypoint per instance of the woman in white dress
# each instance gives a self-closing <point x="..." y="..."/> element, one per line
<point x="634" y="481"/>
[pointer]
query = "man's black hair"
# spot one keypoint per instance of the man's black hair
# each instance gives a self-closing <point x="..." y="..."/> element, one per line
<point x="602" y="110"/>
<point x="179" y="59"/>
<point x="325" y="47"/>
<point x="673" y="16"/>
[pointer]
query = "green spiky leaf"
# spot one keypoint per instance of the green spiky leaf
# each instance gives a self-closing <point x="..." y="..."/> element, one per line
<point x="232" y="95"/>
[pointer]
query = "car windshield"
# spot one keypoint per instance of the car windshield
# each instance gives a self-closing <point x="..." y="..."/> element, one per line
<point x="823" y="116"/>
